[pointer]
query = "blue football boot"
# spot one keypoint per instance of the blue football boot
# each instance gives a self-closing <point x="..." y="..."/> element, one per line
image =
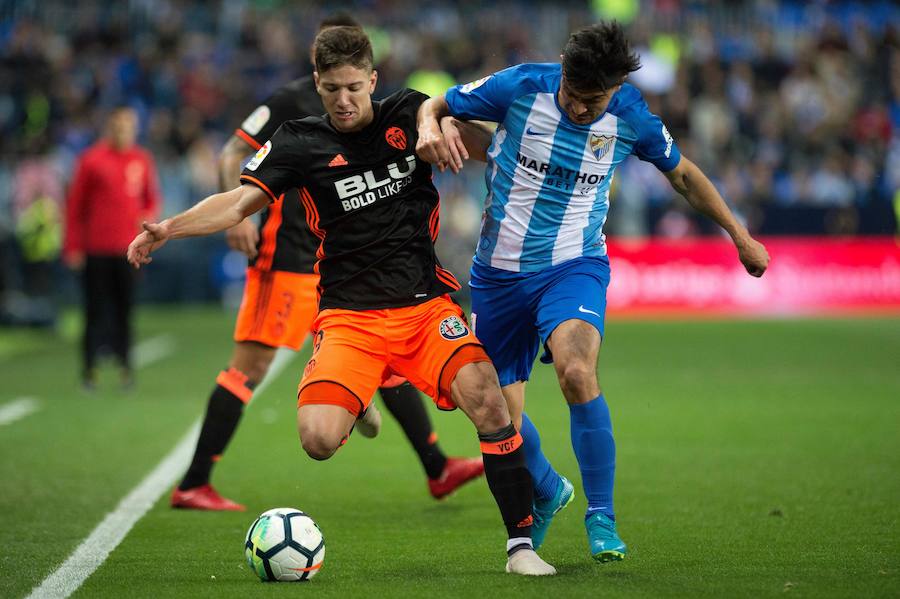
<point x="544" y="510"/>
<point x="606" y="546"/>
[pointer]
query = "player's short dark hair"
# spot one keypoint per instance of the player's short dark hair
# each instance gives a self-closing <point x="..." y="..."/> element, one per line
<point x="338" y="19"/>
<point x="598" y="57"/>
<point x="340" y="46"/>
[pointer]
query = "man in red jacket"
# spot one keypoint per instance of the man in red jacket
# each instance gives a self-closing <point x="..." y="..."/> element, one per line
<point x="114" y="189"/>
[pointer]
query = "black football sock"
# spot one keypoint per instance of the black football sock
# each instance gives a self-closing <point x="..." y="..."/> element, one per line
<point x="406" y="405"/>
<point x="510" y="483"/>
<point x="223" y="413"/>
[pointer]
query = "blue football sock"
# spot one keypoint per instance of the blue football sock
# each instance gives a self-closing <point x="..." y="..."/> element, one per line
<point x="545" y="477"/>
<point x="595" y="450"/>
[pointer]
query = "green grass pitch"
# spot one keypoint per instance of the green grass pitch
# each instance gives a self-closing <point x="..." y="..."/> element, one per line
<point x="755" y="458"/>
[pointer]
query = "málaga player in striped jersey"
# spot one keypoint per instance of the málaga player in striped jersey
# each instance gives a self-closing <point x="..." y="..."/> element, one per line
<point x="540" y="271"/>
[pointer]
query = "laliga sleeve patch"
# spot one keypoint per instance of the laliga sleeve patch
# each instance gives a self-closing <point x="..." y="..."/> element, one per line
<point x="254" y="123"/>
<point x="469" y="87"/>
<point x="259" y="156"/>
<point x="452" y="328"/>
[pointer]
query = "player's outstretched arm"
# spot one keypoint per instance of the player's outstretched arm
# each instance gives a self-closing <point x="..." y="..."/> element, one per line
<point x="432" y="147"/>
<point x="216" y="213"/>
<point x="244" y="236"/>
<point x="701" y="194"/>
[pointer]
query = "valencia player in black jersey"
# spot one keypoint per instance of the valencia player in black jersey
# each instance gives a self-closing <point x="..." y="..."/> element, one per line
<point x="384" y="304"/>
<point x="277" y="310"/>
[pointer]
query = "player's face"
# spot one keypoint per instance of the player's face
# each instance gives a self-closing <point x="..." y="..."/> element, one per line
<point x="346" y="93"/>
<point x="122" y="128"/>
<point x="583" y="107"/>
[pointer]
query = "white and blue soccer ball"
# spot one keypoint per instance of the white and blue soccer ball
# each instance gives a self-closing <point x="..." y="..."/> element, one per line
<point x="284" y="544"/>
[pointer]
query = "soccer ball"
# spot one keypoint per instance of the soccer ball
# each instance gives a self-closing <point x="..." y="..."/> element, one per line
<point x="284" y="544"/>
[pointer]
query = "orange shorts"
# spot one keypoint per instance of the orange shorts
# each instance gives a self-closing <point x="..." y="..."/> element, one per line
<point x="278" y="308"/>
<point x="357" y="351"/>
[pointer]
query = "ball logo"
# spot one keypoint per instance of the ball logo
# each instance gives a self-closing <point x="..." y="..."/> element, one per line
<point x="453" y="328"/>
<point x="396" y="137"/>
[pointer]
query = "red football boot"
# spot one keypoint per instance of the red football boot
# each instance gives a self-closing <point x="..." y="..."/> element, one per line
<point x="203" y="498"/>
<point x="457" y="472"/>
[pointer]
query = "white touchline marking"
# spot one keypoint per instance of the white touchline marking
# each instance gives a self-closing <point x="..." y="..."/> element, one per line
<point x="94" y="550"/>
<point x="153" y="350"/>
<point x="17" y="409"/>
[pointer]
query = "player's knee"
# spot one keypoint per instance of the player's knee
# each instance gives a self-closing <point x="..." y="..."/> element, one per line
<point x="476" y="391"/>
<point x="318" y="445"/>
<point x="485" y="404"/>
<point x="320" y="435"/>
<point x="472" y="386"/>
<point x="493" y="413"/>
<point x="318" y="449"/>
<point x="577" y="378"/>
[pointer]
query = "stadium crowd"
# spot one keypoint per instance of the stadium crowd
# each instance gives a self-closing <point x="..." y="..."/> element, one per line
<point x="788" y="105"/>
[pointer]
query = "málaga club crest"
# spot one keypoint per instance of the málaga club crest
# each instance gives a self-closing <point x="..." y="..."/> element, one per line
<point x="600" y="144"/>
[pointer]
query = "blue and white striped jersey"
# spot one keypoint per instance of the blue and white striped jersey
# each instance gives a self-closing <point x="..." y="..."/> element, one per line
<point x="548" y="178"/>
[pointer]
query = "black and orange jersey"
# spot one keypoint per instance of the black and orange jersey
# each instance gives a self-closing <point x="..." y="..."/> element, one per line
<point x="285" y="241"/>
<point x="369" y="199"/>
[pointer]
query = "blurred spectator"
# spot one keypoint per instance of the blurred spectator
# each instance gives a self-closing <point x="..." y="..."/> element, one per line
<point x="37" y="212"/>
<point x="113" y="190"/>
<point x="830" y="184"/>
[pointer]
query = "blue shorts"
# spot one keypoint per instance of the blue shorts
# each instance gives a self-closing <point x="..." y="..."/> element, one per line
<point x="514" y="313"/>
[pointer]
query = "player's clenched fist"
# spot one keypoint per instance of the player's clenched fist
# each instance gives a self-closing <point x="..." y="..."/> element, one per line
<point x="152" y="238"/>
<point x="431" y="146"/>
<point x="754" y="257"/>
<point x="454" y="142"/>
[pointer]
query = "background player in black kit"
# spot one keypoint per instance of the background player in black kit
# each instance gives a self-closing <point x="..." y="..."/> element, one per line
<point x="384" y="304"/>
<point x="278" y="308"/>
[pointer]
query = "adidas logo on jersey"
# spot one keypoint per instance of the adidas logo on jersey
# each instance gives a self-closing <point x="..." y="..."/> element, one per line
<point x="338" y="160"/>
